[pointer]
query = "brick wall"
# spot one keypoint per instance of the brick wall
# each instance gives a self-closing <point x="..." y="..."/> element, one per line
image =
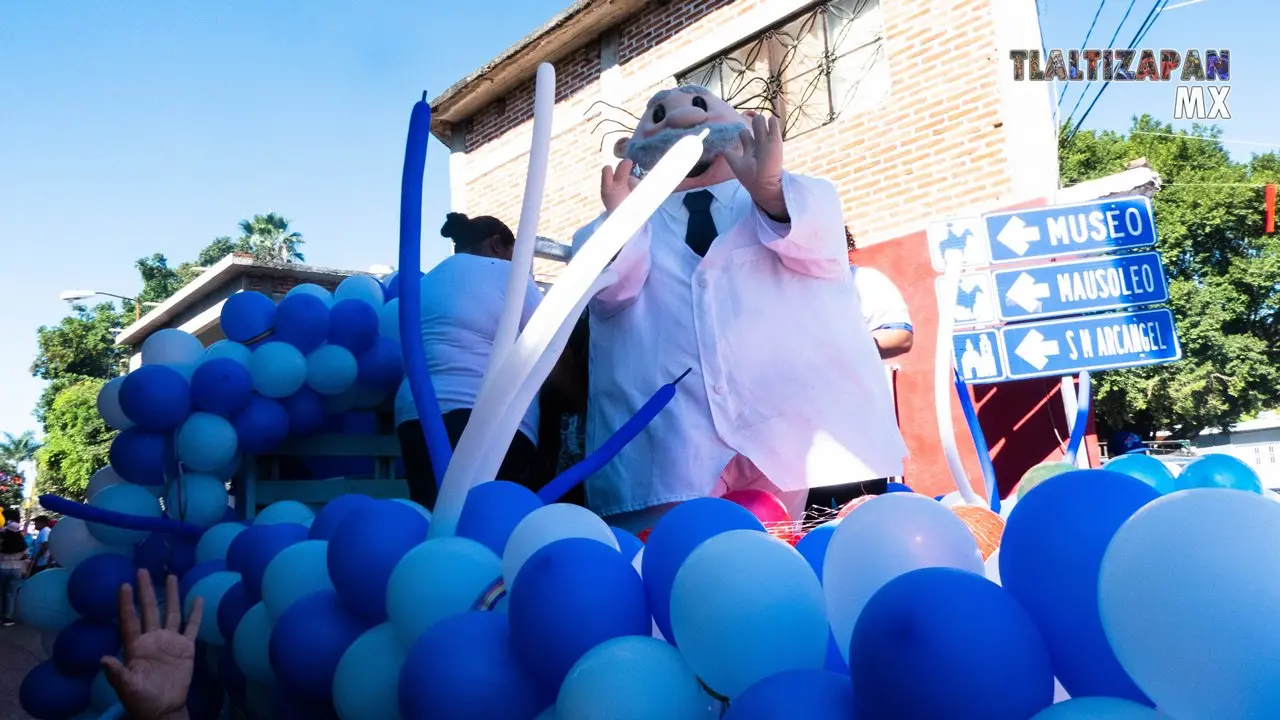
<point x="934" y="146"/>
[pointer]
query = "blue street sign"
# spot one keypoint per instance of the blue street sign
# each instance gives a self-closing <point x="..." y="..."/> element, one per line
<point x="1080" y="229"/>
<point x="979" y="356"/>
<point x="975" y="303"/>
<point x="1069" y="288"/>
<point x="1093" y="342"/>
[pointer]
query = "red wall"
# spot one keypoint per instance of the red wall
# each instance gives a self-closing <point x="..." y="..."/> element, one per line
<point x="1024" y="422"/>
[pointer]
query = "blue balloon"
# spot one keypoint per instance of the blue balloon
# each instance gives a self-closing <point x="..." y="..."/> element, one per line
<point x="1050" y="556"/>
<point x="174" y="348"/>
<point x="211" y="589"/>
<point x="416" y="599"/>
<point x="216" y="541"/>
<point x="635" y="677"/>
<point x="143" y="458"/>
<point x="251" y="645"/>
<point x="302" y="321"/>
<point x="391" y="285"/>
<point x="255" y="548"/>
<point x="629" y="545"/>
<point x="197" y="573"/>
<point x="221" y="386"/>
<point x="817" y="694"/>
<point x="162" y="554"/>
<point x="313" y="290"/>
<point x="336" y="510"/>
<point x="308" y="641"/>
<point x="133" y="500"/>
<point x="1098" y="708"/>
<point x="486" y="681"/>
<point x="492" y="510"/>
<point x="389" y="320"/>
<point x="354" y="326"/>
<point x="205" y="694"/>
<point x="931" y="643"/>
<point x="1147" y="469"/>
<point x="43" y="602"/>
<point x="297" y="571"/>
<point x="155" y="397"/>
<point x="813" y="548"/>
<point x="897" y="487"/>
<point x="278" y="369"/>
<point x="366" y="684"/>
<point x="360" y="562"/>
<point x="227" y="349"/>
<point x="331" y="370"/>
<point x="360" y="287"/>
<point x="1216" y="471"/>
<point x="207" y="442"/>
<point x="246" y="316"/>
<point x="82" y="644"/>
<point x="235" y="603"/>
<point x="94" y="585"/>
<point x="676" y="535"/>
<point x="261" y="426"/>
<point x="228" y="671"/>
<point x="287" y="706"/>
<point x="47" y="694"/>
<point x="285" y="511"/>
<point x="570" y="596"/>
<point x="198" y="499"/>
<point x="381" y="366"/>
<point x="306" y="412"/>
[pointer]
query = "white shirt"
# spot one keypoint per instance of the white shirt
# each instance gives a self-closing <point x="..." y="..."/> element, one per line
<point x="883" y="307"/>
<point x="763" y="321"/>
<point x="462" y="300"/>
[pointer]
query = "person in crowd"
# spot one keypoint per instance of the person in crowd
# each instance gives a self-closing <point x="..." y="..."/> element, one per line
<point x="159" y="657"/>
<point x="462" y="301"/>
<point x="13" y="568"/>
<point x="740" y="276"/>
<point x="884" y="310"/>
<point x="41" y="558"/>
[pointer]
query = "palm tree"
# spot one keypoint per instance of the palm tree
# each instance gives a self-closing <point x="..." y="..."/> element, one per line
<point x="19" y="449"/>
<point x="269" y="239"/>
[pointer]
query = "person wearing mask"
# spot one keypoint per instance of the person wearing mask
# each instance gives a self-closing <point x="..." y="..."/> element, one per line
<point x="462" y="302"/>
<point x="41" y="559"/>
<point x="13" y="568"/>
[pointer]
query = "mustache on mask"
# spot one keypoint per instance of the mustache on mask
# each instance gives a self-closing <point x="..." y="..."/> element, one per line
<point x="646" y="152"/>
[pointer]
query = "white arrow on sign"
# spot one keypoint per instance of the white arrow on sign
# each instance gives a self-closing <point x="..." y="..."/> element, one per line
<point x="1026" y="293"/>
<point x="1018" y="236"/>
<point x="1036" y="350"/>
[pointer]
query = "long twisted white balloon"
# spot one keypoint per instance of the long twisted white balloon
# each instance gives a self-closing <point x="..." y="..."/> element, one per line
<point x="943" y="386"/>
<point x="496" y="415"/>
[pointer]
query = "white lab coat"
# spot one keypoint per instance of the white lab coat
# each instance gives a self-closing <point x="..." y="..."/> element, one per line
<point x="783" y="373"/>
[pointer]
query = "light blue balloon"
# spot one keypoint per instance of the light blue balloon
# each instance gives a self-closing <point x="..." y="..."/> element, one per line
<point x="278" y="369"/>
<point x="634" y="677"/>
<point x="331" y="369"/>
<point x="71" y="543"/>
<point x="1219" y="471"/>
<point x="206" y="442"/>
<point x="43" y="602"/>
<point x="313" y="290"/>
<point x="298" y="570"/>
<point x="211" y="587"/>
<point x="389" y="319"/>
<point x="251" y="645"/>
<point x="129" y="499"/>
<point x="366" y="685"/>
<point x="197" y="498"/>
<point x="285" y="511"/>
<point x="1147" y="469"/>
<point x="421" y="510"/>
<point x="360" y="287"/>
<point x="101" y="695"/>
<point x="214" y="542"/>
<point x="418" y="594"/>
<point x="1185" y="593"/>
<point x="228" y="349"/>
<point x="1098" y="708"/>
<point x="175" y="348"/>
<point x="745" y="606"/>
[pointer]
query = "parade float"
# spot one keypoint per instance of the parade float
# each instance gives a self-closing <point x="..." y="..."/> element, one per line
<point x="1120" y="593"/>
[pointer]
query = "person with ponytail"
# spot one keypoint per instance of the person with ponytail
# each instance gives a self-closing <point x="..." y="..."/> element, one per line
<point x="462" y="301"/>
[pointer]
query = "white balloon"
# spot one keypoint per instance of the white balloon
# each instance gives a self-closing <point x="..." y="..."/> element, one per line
<point x="637" y="562"/>
<point x="991" y="568"/>
<point x="178" y="349"/>
<point x="546" y="525"/>
<point x="71" y="543"/>
<point x="104" y="478"/>
<point x="228" y="349"/>
<point x="109" y="405"/>
<point x="888" y="536"/>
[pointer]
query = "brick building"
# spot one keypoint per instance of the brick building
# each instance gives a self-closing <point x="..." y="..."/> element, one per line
<point x="908" y="106"/>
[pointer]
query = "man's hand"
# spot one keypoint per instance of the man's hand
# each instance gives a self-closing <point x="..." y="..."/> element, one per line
<point x="154" y="679"/>
<point x="759" y="166"/>
<point x="617" y="184"/>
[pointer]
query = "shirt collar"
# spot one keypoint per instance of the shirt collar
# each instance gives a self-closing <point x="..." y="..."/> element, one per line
<point x="723" y="193"/>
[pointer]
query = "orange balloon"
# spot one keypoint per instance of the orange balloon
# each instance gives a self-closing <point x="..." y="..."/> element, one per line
<point x="853" y="504"/>
<point x="986" y="526"/>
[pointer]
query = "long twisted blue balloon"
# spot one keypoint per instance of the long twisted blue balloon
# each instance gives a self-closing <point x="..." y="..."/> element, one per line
<point x="1083" y="404"/>
<point x="415" y="355"/>
<point x="979" y="442"/>
<point x="89" y="513"/>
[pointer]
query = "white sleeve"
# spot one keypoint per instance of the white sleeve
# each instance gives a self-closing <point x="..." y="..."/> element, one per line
<point x="883" y="307"/>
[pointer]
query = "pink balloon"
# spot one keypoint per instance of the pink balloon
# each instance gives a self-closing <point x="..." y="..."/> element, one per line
<point x="767" y="508"/>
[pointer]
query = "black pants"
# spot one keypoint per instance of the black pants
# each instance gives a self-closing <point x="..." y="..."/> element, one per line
<point x="837" y="496"/>
<point x="417" y="461"/>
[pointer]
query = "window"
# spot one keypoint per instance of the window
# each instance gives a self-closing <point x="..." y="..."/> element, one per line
<point x="1271" y="450"/>
<point x="1257" y="456"/>
<point x="808" y="70"/>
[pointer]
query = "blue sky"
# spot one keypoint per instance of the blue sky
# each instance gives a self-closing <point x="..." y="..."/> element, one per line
<point x="133" y="128"/>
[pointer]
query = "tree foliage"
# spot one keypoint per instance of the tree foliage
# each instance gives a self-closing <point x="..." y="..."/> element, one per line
<point x="1224" y="280"/>
<point x="81" y="346"/>
<point x="270" y="240"/>
<point x="76" y="441"/>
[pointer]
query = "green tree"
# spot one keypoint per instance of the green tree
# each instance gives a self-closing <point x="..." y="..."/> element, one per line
<point x="211" y="254"/>
<point x="76" y="441"/>
<point x="16" y="451"/>
<point x="1224" y="280"/>
<point x="82" y="345"/>
<point x="270" y="240"/>
<point x="159" y="281"/>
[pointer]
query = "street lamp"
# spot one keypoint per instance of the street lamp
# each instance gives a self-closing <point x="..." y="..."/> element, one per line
<point x="74" y="295"/>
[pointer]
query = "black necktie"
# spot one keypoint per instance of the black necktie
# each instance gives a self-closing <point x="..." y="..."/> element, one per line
<point x="702" y="227"/>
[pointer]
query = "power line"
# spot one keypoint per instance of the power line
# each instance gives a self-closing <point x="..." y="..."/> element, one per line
<point x="1085" y="44"/>
<point x="1207" y="139"/>
<point x="1085" y="90"/>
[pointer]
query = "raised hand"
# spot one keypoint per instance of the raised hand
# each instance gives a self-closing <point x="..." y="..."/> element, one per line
<point x="616" y="184"/>
<point x="759" y="165"/>
<point x="153" y="680"/>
